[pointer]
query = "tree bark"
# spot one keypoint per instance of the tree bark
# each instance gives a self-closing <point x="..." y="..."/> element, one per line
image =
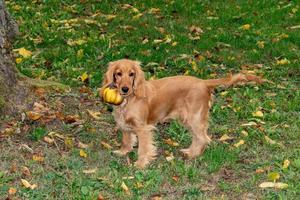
<point x="12" y="92"/>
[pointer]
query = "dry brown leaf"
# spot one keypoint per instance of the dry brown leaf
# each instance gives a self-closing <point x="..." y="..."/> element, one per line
<point x="94" y="114"/>
<point x="48" y="140"/>
<point x="38" y="158"/>
<point x="106" y="145"/>
<point x="82" y="145"/>
<point x="277" y="185"/>
<point x="12" y="191"/>
<point x="26" y="184"/>
<point x="33" y="115"/>
<point x="171" y="142"/>
<point x="25" y="171"/>
<point x="125" y="188"/>
<point x="241" y="142"/>
<point x="90" y="171"/>
<point x="225" y="137"/>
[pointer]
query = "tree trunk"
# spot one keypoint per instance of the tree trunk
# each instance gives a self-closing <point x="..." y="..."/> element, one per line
<point x="12" y="92"/>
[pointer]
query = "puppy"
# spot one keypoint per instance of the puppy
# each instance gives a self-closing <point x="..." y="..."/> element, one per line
<point x="147" y="103"/>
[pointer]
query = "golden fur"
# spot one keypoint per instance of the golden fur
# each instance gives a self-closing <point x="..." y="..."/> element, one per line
<point x="149" y="102"/>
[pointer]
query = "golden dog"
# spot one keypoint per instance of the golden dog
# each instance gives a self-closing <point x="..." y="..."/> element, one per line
<point x="148" y="102"/>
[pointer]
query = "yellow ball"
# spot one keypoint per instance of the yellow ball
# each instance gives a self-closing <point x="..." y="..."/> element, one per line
<point x="112" y="96"/>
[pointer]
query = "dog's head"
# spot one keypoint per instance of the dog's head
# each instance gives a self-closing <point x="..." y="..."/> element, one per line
<point x="127" y="76"/>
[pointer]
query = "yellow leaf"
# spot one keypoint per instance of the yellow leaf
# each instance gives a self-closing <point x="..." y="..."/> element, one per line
<point x="137" y="16"/>
<point x="69" y="142"/>
<point x="48" y="140"/>
<point x="19" y="60"/>
<point x="26" y="184"/>
<point x="106" y="145"/>
<point x="93" y="114"/>
<point x="110" y="17"/>
<point x="24" y="52"/>
<point x="286" y="164"/>
<point x="258" y="114"/>
<point x="245" y="133"/>
<point x="80" y="53"/>
<point x="194" y="66"/>
<point x="225" y="137"/>
<point x="170" y="157"/>
<point x="171" y="142"/>
<point x="33" y="115"/>
<point x="154" y="10"/>
<point x="125" y="188"/>
<point x="16" y="7"/>
<point x="246" y="27"/>
<point x="241" y="142"/>
<point x="224" y="93"/>
<point x="273" y="176"/>
<point x="187" y="72"/>
<point x="283" y="62"/>
<point x="12" y="191"/>
<point x="76" y="42"/>
<point x="90" y="171"/>
<point x="38" y="158"/>
<point x="138" y="185"/>
<point x="269" y="140"/>
<point x="84" y="77"/>
<point x="261" y="44"/>
<point x="273" y="185"/>
<point x="83" y="153"/>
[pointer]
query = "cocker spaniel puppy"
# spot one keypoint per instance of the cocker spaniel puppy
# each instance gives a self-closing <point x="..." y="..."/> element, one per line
<point x="147" y="103"/>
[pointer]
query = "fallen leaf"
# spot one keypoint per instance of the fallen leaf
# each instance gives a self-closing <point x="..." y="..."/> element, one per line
<point x="138" y="185"/>
<point x="286" y="164"/>
<point x="38" y="158"/>
<point x="23" y="52"/>
<point x="90" y="171"/>
<point x="82" y="145"/>
<point x="82" y="153"/>
<point x="261" y="44"/>
<point x="258" y="114"/>
<point x="259" y="171"/>
<point x="69" y="142"/>
<point x="245" y="27"/>
<point x="154" y="10"/>
<point x="250" y="124"/>
<point x="273" y="176"/>
<point x="72" y="118"/>
<point x="171" y="142"/>
<point x="269" y="140"/>
<point x="170" y="158"/>
<point x="48" y="140"/>
<point x="273" y="185"/>
<point x="110" y="17"/>
<point x="25" y="171"/>
<point x="26" y="184"/>
<point x="33" y="115"/>
<point x="283" y="62"/>
<point x="76" y="42"/>
<point x="241" y="142"/>
<point x="106" y="145"/>
<point x="245" y="133"/>
<point x="175" y="178"/>
<point x="128" y="177"/>
<point x="84" y="77"/>
<point x="94" y="114"/>
<point x="12" y="191"/>
<point x="100" y="197"/>
<point x="19" y="60"/>
<point x="225" y="137"/>
<point x="80" y="53"/>
<point x="125" y="188"/>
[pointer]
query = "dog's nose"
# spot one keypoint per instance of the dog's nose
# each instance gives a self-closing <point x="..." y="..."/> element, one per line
<point x="125" y="89"/>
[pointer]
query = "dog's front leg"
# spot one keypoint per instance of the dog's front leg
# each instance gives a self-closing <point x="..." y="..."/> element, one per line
<point x="146" y="148"/>
<point x="128" y="141"/>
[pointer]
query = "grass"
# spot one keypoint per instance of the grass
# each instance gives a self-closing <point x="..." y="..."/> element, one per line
<point x="68" y="38"/>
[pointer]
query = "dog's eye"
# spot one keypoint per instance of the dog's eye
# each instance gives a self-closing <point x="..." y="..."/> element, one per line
<point x="131" y="74"/>
<point x="119" y="74"/>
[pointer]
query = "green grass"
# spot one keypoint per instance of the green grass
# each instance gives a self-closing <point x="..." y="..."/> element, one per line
<point x="107" y="31"/>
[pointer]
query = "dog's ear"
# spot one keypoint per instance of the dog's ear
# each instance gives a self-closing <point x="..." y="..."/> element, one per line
<point x="139" y="81"/>
<point x="108" y="77"/>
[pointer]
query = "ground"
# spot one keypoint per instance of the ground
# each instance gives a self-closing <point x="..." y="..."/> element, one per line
<point x="64" y="143"/>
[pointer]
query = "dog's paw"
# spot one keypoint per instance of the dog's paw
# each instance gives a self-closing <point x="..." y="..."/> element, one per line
<point x="141" y="164"/>
<point x="121" y="152"/>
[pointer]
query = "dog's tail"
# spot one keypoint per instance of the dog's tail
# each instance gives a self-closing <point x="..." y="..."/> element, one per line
<point x="232" y="80"/>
